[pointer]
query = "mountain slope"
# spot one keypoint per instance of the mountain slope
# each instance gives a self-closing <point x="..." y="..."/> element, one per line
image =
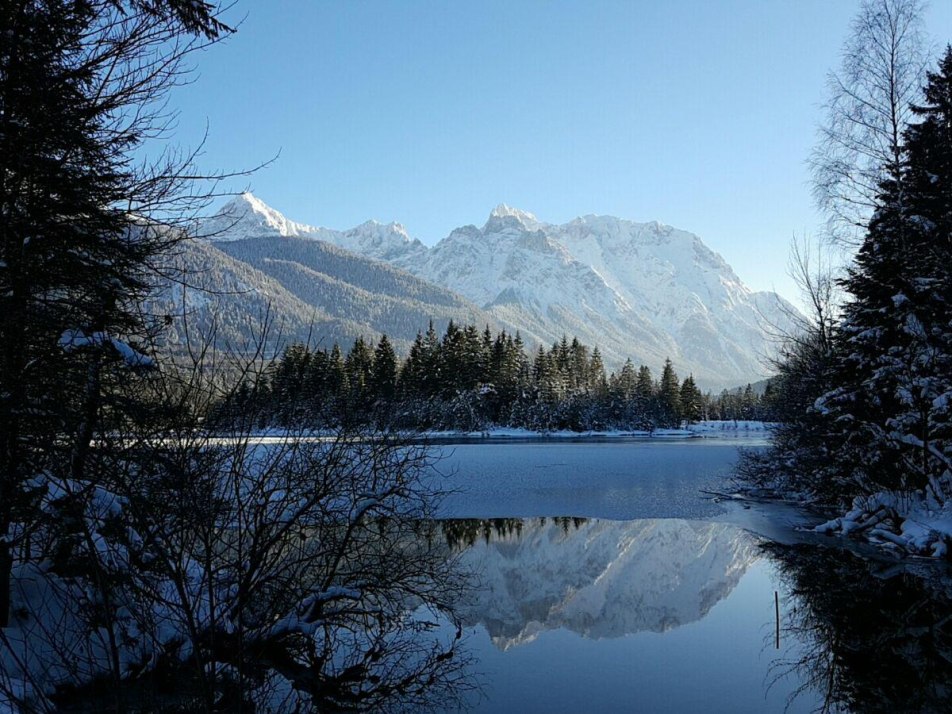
<point x="315" y="293"/>
<point x="349" y="287"/>
<point x="217" y="298"/>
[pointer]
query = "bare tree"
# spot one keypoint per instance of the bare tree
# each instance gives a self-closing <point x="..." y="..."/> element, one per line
<point x="82" y="87"/>
<point x="812" y="268"/>
<point x="200" y="568"/>
<point x="860" y="139"/>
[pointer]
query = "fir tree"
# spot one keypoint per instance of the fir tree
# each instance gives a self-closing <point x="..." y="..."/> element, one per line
<point x="384" y="372"/>
<point x="79" y="86"/>
<point x="596" y="375"/>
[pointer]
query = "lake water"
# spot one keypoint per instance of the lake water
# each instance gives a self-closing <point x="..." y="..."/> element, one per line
<point x="608" y="581"/>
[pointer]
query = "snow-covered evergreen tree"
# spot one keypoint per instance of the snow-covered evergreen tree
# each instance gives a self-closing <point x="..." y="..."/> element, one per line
<point x="891" y="408"/>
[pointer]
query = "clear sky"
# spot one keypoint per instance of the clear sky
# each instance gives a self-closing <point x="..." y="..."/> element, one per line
<point x="696" y="113"/>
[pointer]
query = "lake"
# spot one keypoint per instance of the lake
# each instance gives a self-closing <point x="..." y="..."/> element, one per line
<point x="608" y="581"/>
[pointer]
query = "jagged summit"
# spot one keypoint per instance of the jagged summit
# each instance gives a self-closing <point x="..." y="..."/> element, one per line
<point x="504" y="209"/>
<point x="504" y="214"/>
<point x="247" y="216"/>
<point x="376" y="228"/>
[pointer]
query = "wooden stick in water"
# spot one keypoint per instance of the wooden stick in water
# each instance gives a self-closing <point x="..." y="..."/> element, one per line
<point x="776" y="600"/>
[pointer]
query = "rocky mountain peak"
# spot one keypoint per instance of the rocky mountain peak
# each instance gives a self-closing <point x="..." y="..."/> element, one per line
<point x="247" y="216"/>
<point x="504" y="214"/>
<point x="645" y="291"/>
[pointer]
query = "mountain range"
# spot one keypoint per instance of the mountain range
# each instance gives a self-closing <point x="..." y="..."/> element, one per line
<point x="641" y="290"/>
<point x="603" y="579"/>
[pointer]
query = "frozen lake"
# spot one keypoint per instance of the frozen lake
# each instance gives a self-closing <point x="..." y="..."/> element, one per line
<point x="607" y="582"/>
<point x="619" y="479"/>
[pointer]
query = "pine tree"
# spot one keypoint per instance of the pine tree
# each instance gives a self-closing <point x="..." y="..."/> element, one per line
<point x="690" y="399"/>
<point x="578" y="366"/>
<point x="645" y="400"/>
<point x="431" y="378"/>
<point x="749" y="403"/>
<point x="288" y="382"/>
<point x="411" y="372"/>
<point x="625" y="382"/>
<point x="359" y="366"/>
<point x="384" y="372"/>
<point x="596" y="375"/>
<point x="337" y="382"/>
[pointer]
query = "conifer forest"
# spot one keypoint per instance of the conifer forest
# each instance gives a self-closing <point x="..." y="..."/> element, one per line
<point x="469" y="380"/>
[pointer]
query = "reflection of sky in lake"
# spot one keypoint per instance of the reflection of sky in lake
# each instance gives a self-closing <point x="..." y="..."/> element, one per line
<point x="665" y="604"/>
<point x="650" y="616"/>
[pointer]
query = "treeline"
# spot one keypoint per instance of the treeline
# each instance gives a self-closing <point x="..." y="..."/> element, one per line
<point x="469" y="379"/>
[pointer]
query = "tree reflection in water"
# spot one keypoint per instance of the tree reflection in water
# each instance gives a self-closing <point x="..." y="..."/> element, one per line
<point x="878" y="636"/>
<point x="462" y="533"/>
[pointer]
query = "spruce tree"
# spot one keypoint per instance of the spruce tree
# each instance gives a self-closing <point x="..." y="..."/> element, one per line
<point x="891" y="410"/>
<point x="690" y="399"/>
<point x="411" y="372"/>
<point x="359" y="366"/>
<point x="645" y="402"/>
<point x="384" y="372"/>
<point x="596" y="375"/>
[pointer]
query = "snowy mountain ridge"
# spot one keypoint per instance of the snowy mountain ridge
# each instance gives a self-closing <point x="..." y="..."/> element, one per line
<point x="647" y="291"/>
<point x="603" y="579"/>
<point x="247" y="216"/>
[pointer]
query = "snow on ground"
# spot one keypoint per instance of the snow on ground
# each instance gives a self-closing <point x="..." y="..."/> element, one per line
<point x="706" y="429"/>
<point x="698" y="429"/>
<point x="906" y="523"/>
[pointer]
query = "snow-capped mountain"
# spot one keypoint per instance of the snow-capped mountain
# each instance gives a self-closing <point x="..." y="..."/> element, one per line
<point x="246" y="216"/>
<point x="640" y="290"/>
<point x="602" y="579"/>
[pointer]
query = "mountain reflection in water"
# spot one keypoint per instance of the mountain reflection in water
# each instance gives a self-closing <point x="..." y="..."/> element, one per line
<point x="599" y="579"/>
<point x="857" y="635"/>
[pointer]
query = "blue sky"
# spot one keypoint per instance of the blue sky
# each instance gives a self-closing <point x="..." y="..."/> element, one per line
<point x="696" y="113"/>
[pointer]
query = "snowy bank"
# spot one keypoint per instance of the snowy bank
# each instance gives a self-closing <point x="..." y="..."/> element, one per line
<point x="698" y="429"/>
<point x="906" y="523"/>
<point x="711" y="428"/>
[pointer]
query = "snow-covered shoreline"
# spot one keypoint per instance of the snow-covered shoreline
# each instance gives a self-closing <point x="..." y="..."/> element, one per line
<point x="907" y="524"/>
<point x="708" y="429"/>
<point x="699" y="429"/>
